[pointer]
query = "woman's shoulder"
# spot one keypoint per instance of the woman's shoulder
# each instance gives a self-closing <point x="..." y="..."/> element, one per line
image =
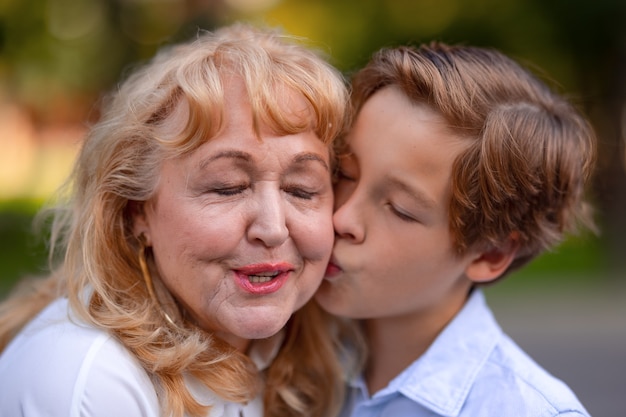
<point x="70" y="368"/>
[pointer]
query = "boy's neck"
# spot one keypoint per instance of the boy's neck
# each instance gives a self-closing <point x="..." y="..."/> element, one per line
<point x="396" y="342"/>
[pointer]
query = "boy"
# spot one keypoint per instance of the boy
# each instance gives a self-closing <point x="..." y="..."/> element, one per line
<point x="460" y="167"/>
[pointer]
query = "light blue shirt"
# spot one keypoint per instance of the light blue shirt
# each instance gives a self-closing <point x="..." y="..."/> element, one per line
<point x="471" y="369"/>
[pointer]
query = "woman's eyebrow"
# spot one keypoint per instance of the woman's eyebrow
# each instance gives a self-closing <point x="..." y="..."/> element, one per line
<point x="298" y="159"/>
<point x="310" y="156"/>
<point x="228" y="154"/>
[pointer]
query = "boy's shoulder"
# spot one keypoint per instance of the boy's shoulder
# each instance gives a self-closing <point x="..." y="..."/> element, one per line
<point x="473" y="368"/>
<point x="521" y="386"/>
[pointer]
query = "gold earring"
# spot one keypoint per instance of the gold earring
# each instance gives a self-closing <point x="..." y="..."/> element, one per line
<point x="148" y="278"/>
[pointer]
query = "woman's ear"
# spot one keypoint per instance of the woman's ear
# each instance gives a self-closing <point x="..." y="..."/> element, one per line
<point x="137" y="212"/>
<point x="492" y="263"/>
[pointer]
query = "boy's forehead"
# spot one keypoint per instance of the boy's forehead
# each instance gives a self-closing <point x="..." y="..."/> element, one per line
<point x="390" y="111"/>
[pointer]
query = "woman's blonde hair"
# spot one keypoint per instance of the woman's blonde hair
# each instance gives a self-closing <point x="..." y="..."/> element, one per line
<point x="119" y="164"/>
<point x="530" y="153"/>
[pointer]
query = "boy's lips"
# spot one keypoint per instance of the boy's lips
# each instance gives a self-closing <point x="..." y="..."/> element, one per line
<point x="332" y="269"/>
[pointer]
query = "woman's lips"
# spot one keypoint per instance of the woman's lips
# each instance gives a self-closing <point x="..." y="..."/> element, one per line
<point x="264" y="278"/>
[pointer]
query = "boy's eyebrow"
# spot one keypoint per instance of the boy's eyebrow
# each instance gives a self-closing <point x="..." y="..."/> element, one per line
<point x="413" y="192"/>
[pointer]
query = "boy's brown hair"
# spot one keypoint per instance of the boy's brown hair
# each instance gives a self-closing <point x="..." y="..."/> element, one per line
<point x="530" y="154"/>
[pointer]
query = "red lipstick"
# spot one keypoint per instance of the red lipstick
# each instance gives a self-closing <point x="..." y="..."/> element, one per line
<point x="264" y="278"/>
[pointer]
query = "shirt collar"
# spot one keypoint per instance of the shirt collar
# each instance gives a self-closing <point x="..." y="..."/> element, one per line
<point x="263" y="351"/>
<point x="443" y="376"/>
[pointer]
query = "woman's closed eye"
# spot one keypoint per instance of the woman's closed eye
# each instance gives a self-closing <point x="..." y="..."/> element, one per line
<point x="300" y="192"/>
<point x="229" y="190"/>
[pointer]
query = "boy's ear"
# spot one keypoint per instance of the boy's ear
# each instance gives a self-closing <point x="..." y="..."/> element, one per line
<point x="490" y="264"/>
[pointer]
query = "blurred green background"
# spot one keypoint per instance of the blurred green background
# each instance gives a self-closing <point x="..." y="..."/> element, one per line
<point x="58" y="56"/>
<point x="566" y="309"/>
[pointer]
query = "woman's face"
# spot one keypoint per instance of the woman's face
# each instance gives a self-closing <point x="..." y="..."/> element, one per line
<point x="241" y="229"/>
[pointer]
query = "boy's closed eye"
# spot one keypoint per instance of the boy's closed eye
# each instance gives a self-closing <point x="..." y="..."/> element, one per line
<point x="347" y="168"/>
<point x="344" y="175"/>
<point x="402" y="214"/>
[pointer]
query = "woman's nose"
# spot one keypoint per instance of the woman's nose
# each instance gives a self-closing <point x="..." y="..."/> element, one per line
<point x="268" y="220"/>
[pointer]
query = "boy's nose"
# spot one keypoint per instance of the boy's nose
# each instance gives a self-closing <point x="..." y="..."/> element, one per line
<point x="347" y="221"/>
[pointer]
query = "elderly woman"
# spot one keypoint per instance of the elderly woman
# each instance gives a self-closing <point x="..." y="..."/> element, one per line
<point x="199" y="221"/>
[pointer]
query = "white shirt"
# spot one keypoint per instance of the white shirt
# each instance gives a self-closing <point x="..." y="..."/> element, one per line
<point x="57" y="368"/>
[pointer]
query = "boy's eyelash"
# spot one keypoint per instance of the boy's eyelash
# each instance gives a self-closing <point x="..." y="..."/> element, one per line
<point x="341" y="174"/>
<point x="401" y="215"/>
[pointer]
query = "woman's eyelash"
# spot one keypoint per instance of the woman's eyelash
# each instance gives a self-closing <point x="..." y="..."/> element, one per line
<point x="228" y="191"/>
<point x="300" y="193"/>
<point x="295" y="191"/>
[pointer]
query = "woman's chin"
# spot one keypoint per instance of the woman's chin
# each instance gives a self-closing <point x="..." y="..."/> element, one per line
<point x="260" y="324"/>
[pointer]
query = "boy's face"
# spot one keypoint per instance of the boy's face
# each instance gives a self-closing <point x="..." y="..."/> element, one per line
<point x="393" y="253"/>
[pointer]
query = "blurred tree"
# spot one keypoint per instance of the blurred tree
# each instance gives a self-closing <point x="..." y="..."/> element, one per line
<point x="581" y="44"/>
<point x="592" y="34"/>
<point x="68" y="51"/>
<point x="57" y="56"/>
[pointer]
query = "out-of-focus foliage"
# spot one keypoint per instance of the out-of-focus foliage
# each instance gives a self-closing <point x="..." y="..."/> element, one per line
<point x="58" y="56"/>
<point x="52" y="49"/>
<point x="22" y="251"/>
